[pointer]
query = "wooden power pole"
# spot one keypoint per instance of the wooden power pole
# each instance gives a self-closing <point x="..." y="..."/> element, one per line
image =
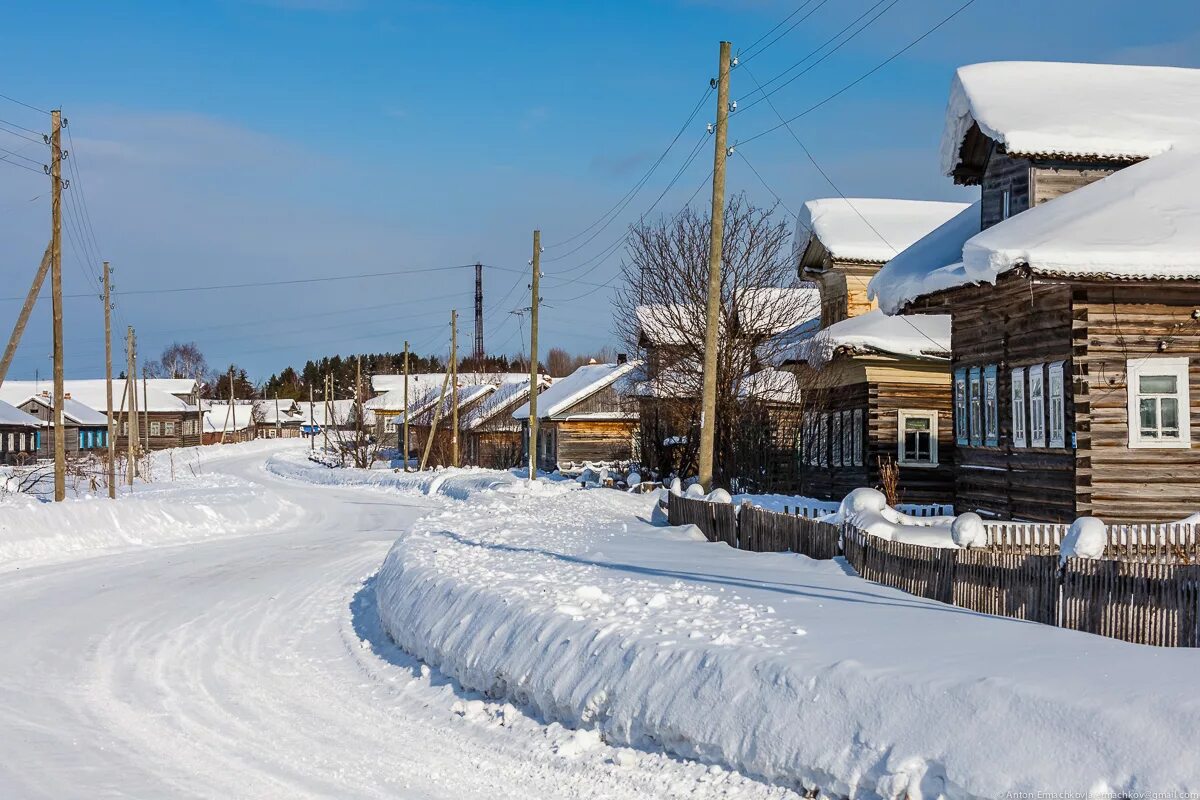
<point x="60" y="431"/>
<point x="131" y="432"/>
<point x="454" y="388"/>
<point x="533" y="353"/>
<point x="404" y="442"/>
<point x="708" y="398"/>
<point x="23" y="318"/>
<point x="112" y="448"/>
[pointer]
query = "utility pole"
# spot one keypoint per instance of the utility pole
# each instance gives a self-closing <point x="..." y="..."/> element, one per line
<point x="112" y="452"/>
<point x="199" y="411"/>
<point x="708" y="400"/>
<point x="478" y="354"/>
<point x="360" y="444"/>
<point x="536" y="261"/>
<point x="312" y="421"/>
<point x="228" y="411"/>
<point x="437" y="415"/>
<point x="278" y="425"/>
<point x="60" y="431"/>
<point x="146" y="406"/>
<point x="325" y="398"/>
<point x="23" y="318"/>
<point x="454" y="394"/>
<point x="131" y="434"/>
<point x="404" y="450"/>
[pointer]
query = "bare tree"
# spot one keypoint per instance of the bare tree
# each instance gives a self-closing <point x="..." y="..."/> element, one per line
<point x="660" y="313"/>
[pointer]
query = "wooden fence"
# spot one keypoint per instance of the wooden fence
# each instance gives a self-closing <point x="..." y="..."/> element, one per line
<point x="1141" y="599"/>
<point x="1166" y="542"/>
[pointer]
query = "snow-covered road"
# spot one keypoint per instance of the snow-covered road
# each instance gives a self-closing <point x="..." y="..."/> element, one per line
<point x="256" y="667"/>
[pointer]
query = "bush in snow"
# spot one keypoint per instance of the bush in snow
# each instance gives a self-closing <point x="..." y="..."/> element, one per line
<point x="967" y="530"/>
<point x="1086" y="539"/>
<point x="694" y="490"/>
<point x="719" y="496"/>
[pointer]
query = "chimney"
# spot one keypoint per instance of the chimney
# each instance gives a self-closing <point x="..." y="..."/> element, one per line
<point x="622" y="358"/>
<point x="45" y="393"/>
<point x="66" y="395"/>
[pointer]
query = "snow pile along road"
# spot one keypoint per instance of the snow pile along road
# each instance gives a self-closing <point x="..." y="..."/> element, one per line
<point x="788" y="669"/>
<point x="206" y="506"/>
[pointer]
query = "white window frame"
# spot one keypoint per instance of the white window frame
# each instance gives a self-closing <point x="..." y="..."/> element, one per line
<point x="1020" y="427"/>
<point x="902" y="417"/>
<point x="991" y="406"/>
<point x="156" y="428"/>
<point x="1056" y="404"/>
<point x="975" y="406"/>
<point x="858" y="437"/>
<point x="168" y="428"/>
<point x="961" y="407"/>
<point x="1037" y="406"/>
<point x="1177" y="367"/>
<point x="1006" y="203"/>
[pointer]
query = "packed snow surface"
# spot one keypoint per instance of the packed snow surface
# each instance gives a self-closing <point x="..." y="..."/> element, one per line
<point x="1051" y="108"/>
<point x="869" y="228"/>
<point x="925" y="336"/>
<point x="256" y="667"/>
<point x="790" y="669"/>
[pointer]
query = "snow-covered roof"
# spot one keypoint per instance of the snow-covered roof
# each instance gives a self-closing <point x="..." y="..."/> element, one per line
<point x="289" y="411"/>
<point x="669" y="323"/>
<point x="1073" y="110"/>
<point x="933" y="262"/>
<point x="342" y="412"/>
<point x="228" y="418"/>
<point x="578" y="386"/>
<point x="12" y="416"/>
<point x="73" y="410"/>
<point x="173" y="385"/>
<point x="869" y="229"/>
<point x="505" y="395"/>
<point x="920" y="336"/>
<point x="1142" y="222"/>
<point x="389" y="383"/>
<point x="91" y="392"/>
<point x="761" y="311"/>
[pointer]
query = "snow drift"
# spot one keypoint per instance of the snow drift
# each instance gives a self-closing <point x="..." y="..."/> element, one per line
<point x="788" y="669"/>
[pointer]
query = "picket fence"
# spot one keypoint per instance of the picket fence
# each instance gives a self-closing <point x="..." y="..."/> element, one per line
<point x="1138" y="598"/>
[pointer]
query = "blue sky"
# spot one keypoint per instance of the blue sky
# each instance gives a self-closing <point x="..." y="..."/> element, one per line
<point x="255" y="140"/>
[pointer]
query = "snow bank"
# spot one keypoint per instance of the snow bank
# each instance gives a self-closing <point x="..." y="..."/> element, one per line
<point x="786" y="668"/>
<point x="206" y="507"/>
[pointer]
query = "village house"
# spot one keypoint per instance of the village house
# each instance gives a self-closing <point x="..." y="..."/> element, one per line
<point x="588" y="417"/>
<point x="764" y="323"/>
<point x="490" y="436"/>
<point x="20" y="435"/>
<point x="876" y="389"/>
<point x="86" y="430"/>
<point x="388" y="401"/>
<point x="163" y="419"/>
<point x="1076" y="310"/>
<point x="278" y="418"/>
<point x="229" y="423"/>
<point x="421" y="419"/>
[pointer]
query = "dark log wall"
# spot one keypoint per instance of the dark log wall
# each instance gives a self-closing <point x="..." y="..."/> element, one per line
<point x="1004" y="172"/>
<point x="917" y="484"/>
<point x="834" y="481"/>
<point x="577" y="441"/>
<point x="1114" y="323"/>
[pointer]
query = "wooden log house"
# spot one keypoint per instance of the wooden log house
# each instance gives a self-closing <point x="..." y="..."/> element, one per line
<point x="491" y="438"/>
<point x="588" y="417"/>
<point x="20" y="435"/>
<point x="876" y="391"/>
<point x="85" y="429"/>
<point x="1076" y="311"/>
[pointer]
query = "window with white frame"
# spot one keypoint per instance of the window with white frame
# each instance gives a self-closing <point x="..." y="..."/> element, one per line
<point x="1006" y="204"/>
<point x="156" y="429"/>
<point x="917" y="438"/>
<point x="847" y="438"/>
<point x="1018" y="407"/>
<point x="1159" y="407"/>
<point x="975" y="413"/>
<point x="168" y="428"/>
<point x="124" y="428"/>
<point x="835" y="439"/>
<point x="1055" y="385"/>
<point x="991" y="407"/>
<point x="1037" y="407"/>
<point x="858" y="437"/>
<point x="960" y="406"/>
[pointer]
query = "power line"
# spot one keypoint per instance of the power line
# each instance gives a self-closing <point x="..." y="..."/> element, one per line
<point x="260" y="284"/>
<point x="750" y="55"/>
<point x="864" y="76"/>
<point x="26" y="105"/>
<point x="818" y="49"/>
<point x="38" y="134"/>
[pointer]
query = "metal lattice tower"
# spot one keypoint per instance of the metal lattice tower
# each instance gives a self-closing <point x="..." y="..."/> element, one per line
<point x="478" y="355"/>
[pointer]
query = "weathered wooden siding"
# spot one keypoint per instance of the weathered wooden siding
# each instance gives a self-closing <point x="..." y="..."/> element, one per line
<point x="578" y="441"/>
<point x="1116" y="322"/>
<point x="917" y="484"/>
<point x="1054" y="179"/>
<point x="835" y="481"/>
<point x="1004" y="172"/>
<point x="493" y="449"/>
<point x="843" y="286"/>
